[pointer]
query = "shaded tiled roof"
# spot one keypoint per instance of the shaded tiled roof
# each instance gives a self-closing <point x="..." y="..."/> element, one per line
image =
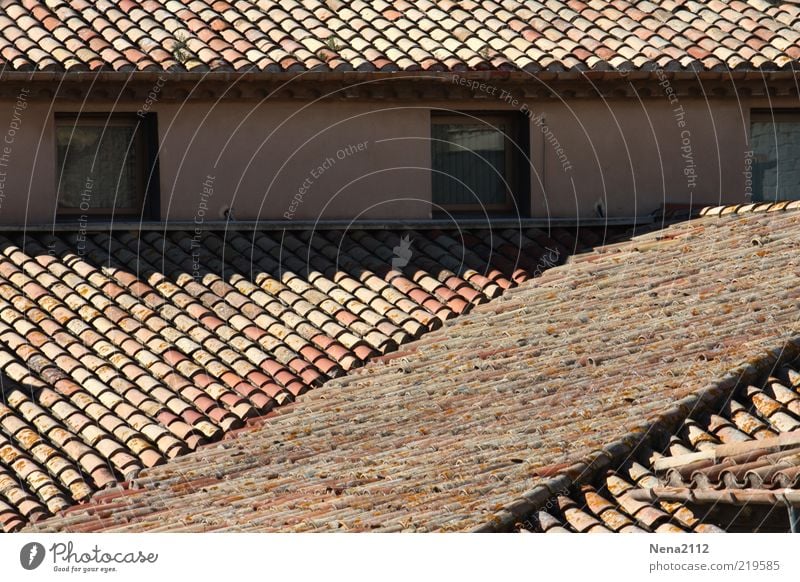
<point x="460" y="429"/>
<point x="298" y="35"/>
<point x="120" y="352"/>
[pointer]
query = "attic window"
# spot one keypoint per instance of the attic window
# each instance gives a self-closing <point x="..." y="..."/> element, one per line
<point x="774" y="158"/>
<point x="473" y="162"/>
<point x="105" y="165"/>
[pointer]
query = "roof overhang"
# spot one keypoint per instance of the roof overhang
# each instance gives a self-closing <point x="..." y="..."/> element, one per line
<point x="395" y="85"/>
<point x="312" y="225"/>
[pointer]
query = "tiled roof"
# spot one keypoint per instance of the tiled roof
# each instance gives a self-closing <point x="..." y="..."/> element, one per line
<point x="386" y="35"/>
<point x="749" y="424"/>
<point x="120" y="352"/>
<point x="460" y="429"/>
<point x="766" y="413"/>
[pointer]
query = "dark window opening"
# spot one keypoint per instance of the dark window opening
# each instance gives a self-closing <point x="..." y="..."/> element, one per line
<point x="107" y="166"/>
<point x="477" y="164"/>
<point x="773" y="164"/>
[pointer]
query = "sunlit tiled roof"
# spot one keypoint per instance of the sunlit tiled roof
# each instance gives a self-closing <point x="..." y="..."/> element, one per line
<point x="118" y="353"/>
<point x="300" y="35"/>
<point x="467" y="427"/>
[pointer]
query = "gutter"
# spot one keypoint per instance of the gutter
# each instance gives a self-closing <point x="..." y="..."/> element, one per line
<point x="315" y="76"/>
<point x="278" y="225"/>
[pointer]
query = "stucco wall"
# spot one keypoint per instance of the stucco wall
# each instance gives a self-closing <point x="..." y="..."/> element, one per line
<point x="27" y="147"/>
<point x="631" y="157"/>
<point x="282" y="160"/>
<point x="277" y="160"/>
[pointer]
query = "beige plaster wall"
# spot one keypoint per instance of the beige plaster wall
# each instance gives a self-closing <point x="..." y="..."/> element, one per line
<point x="630" y="157"/>
<point x="284" y="160"/>
<point x="27" y="162"/>
<point x="281" y="160"/>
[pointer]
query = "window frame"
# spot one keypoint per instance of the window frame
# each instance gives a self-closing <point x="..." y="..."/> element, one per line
<point x="511" y="175"/>
<point x="773" y="117"/>
<point x="146" y="167"/>
<point x="770" y="115"/>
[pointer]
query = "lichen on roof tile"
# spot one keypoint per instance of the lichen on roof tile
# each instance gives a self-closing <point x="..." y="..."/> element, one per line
<point x="115" y="356"/>
<point x="554" y="373"/>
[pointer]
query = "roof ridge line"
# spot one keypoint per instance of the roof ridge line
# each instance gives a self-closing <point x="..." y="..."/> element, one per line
<point x="748" y="208"/>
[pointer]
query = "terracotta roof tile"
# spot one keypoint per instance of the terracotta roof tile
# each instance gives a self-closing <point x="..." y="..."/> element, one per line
<point x="310" y="34"/>
<point x="695" y="460"/>
<point x="109" y="370"/>
<point x="474" y="422"/>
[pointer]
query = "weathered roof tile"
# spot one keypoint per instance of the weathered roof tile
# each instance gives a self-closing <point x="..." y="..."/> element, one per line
<point x="129" y="369"/>
<point x="562" y="375"/>
<point x="314" y="35"/>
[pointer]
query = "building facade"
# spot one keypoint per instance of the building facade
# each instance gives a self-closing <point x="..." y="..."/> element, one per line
<point x="403" y="148"/>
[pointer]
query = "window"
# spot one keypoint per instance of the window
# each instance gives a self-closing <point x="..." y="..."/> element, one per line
<point x="474" y="162"/>
<point x="775" y="164"/>
<point x="106" y="165"/>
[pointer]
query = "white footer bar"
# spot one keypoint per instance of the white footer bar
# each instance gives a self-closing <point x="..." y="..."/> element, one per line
<point x="371" y="557"/>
